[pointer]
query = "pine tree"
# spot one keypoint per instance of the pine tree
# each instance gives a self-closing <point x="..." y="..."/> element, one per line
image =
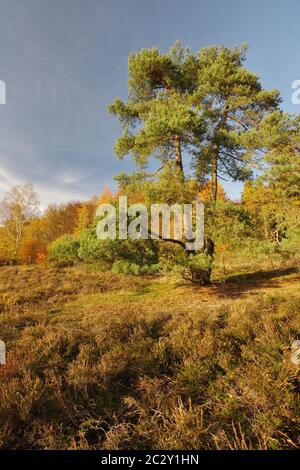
<point x="200" y="105"/>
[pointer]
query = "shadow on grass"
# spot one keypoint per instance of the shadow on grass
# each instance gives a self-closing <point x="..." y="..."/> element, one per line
<point x="260" y="276"/>
<point x="243" y="283"/>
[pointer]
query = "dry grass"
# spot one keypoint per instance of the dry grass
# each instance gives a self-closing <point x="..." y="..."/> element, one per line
<point x="102" y="361"/>
<point x="30" y="287"/>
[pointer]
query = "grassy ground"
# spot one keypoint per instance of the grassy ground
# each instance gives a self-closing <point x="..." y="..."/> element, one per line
<point x="97" y="360"/>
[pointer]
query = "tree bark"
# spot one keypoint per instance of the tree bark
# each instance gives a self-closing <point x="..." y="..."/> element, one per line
<point x="202" y="276"/>
<point x="214" y="176"/>
<point x="178" y="156"/>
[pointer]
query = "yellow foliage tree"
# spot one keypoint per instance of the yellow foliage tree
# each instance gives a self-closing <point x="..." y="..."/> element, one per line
<point x="206" y="190"/>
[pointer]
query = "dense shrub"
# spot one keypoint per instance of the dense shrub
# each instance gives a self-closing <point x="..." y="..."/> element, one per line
<point x="88" y="248"/>
<point x="141" y="253"/>
<point x="64" y="250"/>
<point x="291" y="244"/>
<point x="126" y="267"/>
<point x="91" y="249"/>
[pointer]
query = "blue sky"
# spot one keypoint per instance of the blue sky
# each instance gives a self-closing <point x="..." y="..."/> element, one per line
<point x="63" y="61"/>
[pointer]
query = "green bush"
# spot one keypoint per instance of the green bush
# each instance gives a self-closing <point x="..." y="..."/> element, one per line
<point x="91" y="249"/>
<point x="140" y="252"/>
<point x="64" y="250"/>
<point x="126" y="267"/>
<point x="290" y="244"/>
<point x="69" y="250"/>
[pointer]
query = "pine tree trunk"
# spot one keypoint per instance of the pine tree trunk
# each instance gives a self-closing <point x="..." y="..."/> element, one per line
<point x="178" y="156"/>
<point x="214" y="176"/>
<point x="202" y="276"/>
